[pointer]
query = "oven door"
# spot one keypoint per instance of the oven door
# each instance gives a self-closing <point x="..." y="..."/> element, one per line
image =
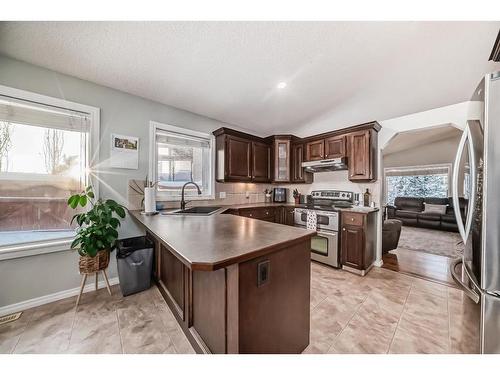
<point x="324" y="248"/>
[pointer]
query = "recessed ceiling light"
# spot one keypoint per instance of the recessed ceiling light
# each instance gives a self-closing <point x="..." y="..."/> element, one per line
<point x="281" y="85"/>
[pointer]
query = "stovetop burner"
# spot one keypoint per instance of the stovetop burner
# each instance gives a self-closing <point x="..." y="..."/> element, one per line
<point x="330" y="200"/>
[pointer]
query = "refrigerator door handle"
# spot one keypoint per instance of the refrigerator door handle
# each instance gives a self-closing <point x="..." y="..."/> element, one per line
<point x="456" y="167"/>
<point x="473" y="163"/>
<point x="471" y="293"/>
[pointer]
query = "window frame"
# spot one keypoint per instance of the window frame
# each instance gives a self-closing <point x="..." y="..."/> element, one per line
<point x="448" y="166"/>
<point x="154" y="126"/>
<point x="60" y="244"/>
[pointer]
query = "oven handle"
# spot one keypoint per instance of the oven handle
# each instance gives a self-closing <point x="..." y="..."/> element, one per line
<point x="325" y="233"/>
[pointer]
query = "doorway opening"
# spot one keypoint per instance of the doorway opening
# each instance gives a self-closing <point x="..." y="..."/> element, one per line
<point x="420" y="233"/>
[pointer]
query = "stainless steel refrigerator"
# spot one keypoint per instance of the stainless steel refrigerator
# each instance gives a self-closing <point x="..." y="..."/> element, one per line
<point x="476" y="177"/>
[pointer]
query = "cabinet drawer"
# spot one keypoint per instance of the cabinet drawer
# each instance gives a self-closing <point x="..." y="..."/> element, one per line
<point x="352" y="218"/>
<point x="258" y="213"/>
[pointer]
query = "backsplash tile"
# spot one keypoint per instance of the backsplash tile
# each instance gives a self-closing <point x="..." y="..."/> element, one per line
<point x="235" y="194"/>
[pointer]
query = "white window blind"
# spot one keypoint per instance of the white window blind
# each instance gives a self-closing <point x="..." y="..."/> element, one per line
<point x="24" y="112"/>
<point x="418" y="171"/>
<point x="171" y="138"/>
<point x="182" y="156"/>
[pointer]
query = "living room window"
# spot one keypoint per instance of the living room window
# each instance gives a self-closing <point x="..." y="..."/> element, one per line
<point x="44" y="158"/>
<point x="419" y="181"/>
<point x="180" y="156"/>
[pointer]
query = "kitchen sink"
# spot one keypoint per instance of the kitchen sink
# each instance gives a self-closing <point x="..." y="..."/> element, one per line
<point x="203" y="210"/>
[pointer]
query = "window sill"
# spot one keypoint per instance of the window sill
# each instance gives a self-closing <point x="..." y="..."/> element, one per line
<point x="27" y="250"/>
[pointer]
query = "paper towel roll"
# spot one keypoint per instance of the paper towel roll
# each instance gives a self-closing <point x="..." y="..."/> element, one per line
<point x="149" y="200"/>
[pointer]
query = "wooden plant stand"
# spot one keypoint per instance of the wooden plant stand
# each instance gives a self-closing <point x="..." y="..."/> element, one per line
<point x="92" y="266"/>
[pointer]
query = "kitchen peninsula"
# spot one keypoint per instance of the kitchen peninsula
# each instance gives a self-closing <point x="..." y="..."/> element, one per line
<point x="234" y="284"/>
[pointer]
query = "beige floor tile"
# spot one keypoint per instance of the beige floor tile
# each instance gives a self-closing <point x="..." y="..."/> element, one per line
<point x="426" y="314"/>
<point x="405" y="342"/>
<point x="369" y="331"/>
<point x="383" y="311"/>
<point x="95" y="332"/>
<point x="142" y="330"/>
<point x="327" y="321"/>
<point x="429" y="287"/>
<point x="179" y="340"/>
<point x="464" y="325"/>
<point x="49" y="330"/>
<point x="11" y="332"/>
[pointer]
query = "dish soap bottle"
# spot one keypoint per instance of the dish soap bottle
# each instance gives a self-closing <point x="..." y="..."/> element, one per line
<point x="366" y="198"/>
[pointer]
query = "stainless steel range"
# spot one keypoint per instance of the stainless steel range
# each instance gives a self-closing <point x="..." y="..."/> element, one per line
<point x="325" y="204"/>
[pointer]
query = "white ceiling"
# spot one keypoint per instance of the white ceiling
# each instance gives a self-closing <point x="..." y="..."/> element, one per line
<point x="407" y="140"/>
<point x="338" y="73"/>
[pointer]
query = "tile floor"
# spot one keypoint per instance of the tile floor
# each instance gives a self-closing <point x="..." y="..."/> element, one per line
<point x="384" y="312"/>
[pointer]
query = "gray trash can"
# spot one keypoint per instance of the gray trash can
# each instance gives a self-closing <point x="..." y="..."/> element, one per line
<point x="134" y="258"/>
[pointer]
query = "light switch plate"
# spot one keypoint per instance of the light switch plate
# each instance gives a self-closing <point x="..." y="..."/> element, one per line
<point x="222" y="194"/>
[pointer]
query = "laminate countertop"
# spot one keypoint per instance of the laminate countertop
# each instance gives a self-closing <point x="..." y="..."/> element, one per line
<point x="219" y="240"/>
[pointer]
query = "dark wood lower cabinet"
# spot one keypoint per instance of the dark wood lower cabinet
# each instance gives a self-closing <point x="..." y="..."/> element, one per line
<point x="171" y="279"/>
<point x="275" y="214"/>
<point x="352" y="246"/>
<point x="258" y="306"/>
<point x="358" y="241"/>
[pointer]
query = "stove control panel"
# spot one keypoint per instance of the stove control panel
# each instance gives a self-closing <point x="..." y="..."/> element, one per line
<point x="337" y="195"/>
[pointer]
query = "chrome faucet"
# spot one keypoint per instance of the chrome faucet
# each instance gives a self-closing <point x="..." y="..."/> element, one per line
<point x="183" y="202"/>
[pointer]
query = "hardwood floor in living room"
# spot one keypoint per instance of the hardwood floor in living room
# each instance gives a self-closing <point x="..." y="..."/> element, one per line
<point x="425" y="253"/>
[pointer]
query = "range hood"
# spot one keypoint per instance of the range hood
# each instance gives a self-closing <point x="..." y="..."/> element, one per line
<point x="326" y="165"/>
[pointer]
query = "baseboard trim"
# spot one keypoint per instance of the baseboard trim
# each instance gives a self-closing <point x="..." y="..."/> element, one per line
<point x="38" y="301"/>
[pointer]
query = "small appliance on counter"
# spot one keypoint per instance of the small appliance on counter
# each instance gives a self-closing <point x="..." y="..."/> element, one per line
<point x="280" y="195"/>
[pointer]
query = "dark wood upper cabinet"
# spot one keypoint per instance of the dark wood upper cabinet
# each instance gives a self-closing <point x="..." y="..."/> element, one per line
<point x="238" y="159"/>
<point x="362" y="155"/>
<point x="261" y="162"/>
<point x="241" y="157"/>
<point x="298" y="173"/>
<point x="281" y="158"/>
<point x="335" y="147"/>
<point x="315" y="150"/>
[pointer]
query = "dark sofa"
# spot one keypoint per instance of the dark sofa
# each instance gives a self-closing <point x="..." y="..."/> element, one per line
<point x="410" y="210"/>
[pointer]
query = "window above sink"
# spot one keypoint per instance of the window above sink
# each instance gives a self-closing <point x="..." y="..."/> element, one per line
<point x="178" y="156"/>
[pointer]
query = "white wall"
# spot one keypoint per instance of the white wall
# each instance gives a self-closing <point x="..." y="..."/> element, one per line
<point x="36" y="276"/>
<point x="439" y="152"/>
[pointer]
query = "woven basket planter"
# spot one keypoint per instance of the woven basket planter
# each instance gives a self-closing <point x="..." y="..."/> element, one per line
<point x="89" y="264"/>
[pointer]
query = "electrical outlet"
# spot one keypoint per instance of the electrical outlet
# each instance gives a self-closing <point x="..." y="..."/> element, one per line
<point x="247" y="194"/>
<point x="222" y="194"/>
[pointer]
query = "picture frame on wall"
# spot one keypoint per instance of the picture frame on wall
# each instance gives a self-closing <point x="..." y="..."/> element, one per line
<point x="124" y="152"/>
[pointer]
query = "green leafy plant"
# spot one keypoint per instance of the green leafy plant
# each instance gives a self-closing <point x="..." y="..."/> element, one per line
<point x="98" y="226"/>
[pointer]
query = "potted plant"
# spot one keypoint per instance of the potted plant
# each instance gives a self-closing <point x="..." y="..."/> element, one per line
<point x="296" y="196"/>
<point x="97" y="232"/>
